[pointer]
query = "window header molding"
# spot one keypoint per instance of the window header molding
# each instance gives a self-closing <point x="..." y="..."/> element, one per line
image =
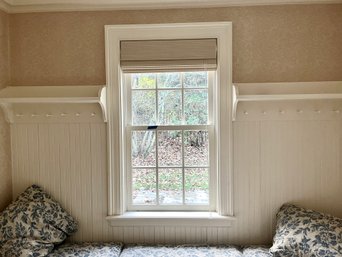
<point x="114" y="35"/>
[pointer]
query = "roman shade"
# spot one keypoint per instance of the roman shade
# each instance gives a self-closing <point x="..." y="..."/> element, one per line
<point x="168" y="55"/>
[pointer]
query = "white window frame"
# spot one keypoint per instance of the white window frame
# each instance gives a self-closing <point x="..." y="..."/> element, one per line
<point x="117" y="212"/>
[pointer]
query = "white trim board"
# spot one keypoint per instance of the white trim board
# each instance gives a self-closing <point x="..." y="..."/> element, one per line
<point x="26" y="6"/>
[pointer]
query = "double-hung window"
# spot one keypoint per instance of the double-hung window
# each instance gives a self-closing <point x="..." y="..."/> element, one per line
<point x="169" y="122"/>
<point x="170" y="140"/>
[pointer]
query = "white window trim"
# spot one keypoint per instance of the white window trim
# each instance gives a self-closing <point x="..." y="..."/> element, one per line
<point x="222" y="31"/>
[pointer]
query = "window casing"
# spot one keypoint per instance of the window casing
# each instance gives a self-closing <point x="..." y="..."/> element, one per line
<point x="117" y="201"/>
<point x="171" y="152"/>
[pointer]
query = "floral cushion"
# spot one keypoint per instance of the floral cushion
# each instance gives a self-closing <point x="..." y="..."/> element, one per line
<point x="88" y="249"/>
<point x="24" y="247"/>
<point x="180" y="251"/>
<point x="34" y="216"/>
<point x="302" y="232"/>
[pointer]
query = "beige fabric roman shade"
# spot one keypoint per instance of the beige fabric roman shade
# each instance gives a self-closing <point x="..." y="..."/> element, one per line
<point x="167" y="55"/>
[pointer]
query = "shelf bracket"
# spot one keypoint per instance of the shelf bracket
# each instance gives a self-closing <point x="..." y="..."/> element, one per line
<point x="8" y="111"/>
<point x="103" y="102"/>
<point x="235" y="102"/>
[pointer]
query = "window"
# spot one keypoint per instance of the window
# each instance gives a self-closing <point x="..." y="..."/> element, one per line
<point x="160" y="121"/>
<point x="170" y="141"/>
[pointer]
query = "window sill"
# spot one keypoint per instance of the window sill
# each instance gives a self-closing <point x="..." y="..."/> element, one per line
<point x="202" y="219"/>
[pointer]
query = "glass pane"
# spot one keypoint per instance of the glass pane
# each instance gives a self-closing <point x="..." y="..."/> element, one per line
<point x="168" y="80"/>
<point x="196" y="106"/>
<point x="170" y="186"/>
<point x="197" y="186"/>
<point x="144" y="186"/>
<point x="143" y="145"/>
<point x="170" y="107"/>
<point x="144" y="107"/>
<point x="169" y="148"/>
<point x="195" y="79"/>
<point x="143" y="81"/>
<point x="196" y="148"/>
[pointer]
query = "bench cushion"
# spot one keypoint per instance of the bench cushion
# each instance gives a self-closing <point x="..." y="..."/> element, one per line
<point x="256" y="251"/>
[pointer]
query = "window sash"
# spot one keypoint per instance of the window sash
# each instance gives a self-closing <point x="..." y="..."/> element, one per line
<point x="212" y="151"/>
<point x="212" y="172"/>
<point x="128" y="97"/>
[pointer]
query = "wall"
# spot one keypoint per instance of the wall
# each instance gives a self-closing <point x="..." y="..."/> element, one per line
<point x="275" y="160"/>
<point x="5" y="157"/>
<point x="270" y="44"/>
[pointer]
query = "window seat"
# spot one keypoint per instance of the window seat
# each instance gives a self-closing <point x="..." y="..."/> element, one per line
<point x="118" y="249"/>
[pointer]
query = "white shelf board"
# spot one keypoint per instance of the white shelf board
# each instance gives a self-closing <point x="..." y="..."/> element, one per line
<point x="10" y="96"/>
<point x="285" y="92"/>
<point x="288" y="97"/>
<point x="24" y="94"/>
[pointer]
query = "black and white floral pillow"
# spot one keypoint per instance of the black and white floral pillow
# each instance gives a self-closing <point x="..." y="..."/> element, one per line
<point x="86" y="249"/>
<point x="306" y="233"/>
<point x="24" y="247"/>
<point x="34" y="219"/>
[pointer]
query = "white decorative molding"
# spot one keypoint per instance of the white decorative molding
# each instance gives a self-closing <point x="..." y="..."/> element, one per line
<point x="24" y="6"/>
<point x="291" y="91"/>
<point x="54" y="103"/>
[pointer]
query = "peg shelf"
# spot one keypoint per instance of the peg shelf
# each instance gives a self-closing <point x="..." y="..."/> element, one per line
<point x="61" y="101"/>
<point x="257" y="92"/>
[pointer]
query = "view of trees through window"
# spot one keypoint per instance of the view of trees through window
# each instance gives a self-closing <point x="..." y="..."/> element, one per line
<point x="170" y="159"/>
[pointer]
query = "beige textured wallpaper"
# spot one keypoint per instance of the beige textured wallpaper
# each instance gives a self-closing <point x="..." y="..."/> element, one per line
<point x="271" y="43"/>
<point x="5" y="157"/>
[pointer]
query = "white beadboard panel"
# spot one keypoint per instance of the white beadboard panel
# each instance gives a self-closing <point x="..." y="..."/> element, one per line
<point x="274" y="162"/>
<point x="300" y="162"/>
<point x="170" y="234"/>
<point x="159" y="235"/>
<point x="5" y="163"/>
<point x="247" y="184"/>
<point x="69" y="161"/>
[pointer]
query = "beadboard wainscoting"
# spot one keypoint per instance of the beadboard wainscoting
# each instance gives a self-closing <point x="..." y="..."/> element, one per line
<point x="275" y="162"/>
<point x="5" y="151"/>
